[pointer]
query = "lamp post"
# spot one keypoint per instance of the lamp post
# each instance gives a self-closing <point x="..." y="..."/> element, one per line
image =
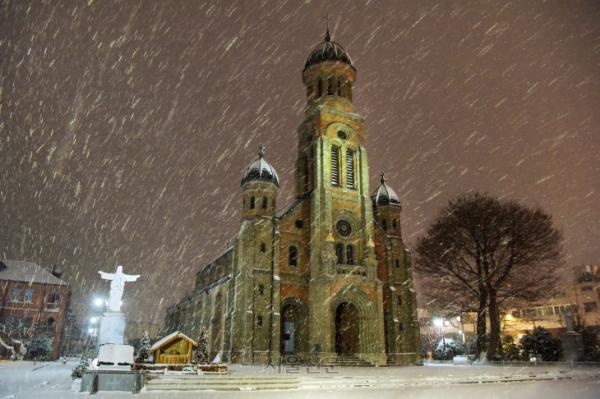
<point x="439" y="322"/>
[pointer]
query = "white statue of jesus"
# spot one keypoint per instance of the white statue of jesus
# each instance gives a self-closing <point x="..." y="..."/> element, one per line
<point x="117" y="286"/>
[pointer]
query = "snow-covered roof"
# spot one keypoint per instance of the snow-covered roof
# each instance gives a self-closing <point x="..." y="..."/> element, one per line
<point x="171" y="337"/>
<point x="29" y="272"/>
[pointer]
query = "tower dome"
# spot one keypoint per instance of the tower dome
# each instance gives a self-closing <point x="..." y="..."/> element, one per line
<point x="384" y="195"/>
<point x="328" y="51"/>
<point x="260" y="170"/>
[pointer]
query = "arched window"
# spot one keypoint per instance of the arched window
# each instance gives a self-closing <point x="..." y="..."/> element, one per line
<point x="261" y="289"/>
<point x="50" y="322"/>
<point x="263" y="247"/>
<point x="330" y="86"/>
<point x="397" y="264"/>
<point x="335" y="165"/>
<point x="349" y="168"/>
<point x="252" y="202"/>
<point x="339" y="253"/>
<point x="265" y="203"/>
<point x="395" y="223"/>
<point x="349" y="255"/>
<point x="293" y="256"/>
<point x="319" y="88"/>
<point x="384" y="224"/>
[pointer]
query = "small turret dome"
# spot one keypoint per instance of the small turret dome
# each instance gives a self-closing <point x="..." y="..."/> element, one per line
<point x="328" y="51"/>
<point x="260" y="170"/>
<point x="384" y="195"/>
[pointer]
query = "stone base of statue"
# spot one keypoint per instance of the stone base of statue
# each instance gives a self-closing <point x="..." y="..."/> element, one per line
<point x="572" y="346"/>
<point x="112" y="329"/>
<point x="115" y="356"/>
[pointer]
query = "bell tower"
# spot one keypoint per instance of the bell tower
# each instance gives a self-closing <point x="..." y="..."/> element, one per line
<point x="332" y="173"/>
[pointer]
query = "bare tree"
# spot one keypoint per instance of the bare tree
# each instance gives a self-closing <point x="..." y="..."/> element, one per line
<point x="483" y="252"/>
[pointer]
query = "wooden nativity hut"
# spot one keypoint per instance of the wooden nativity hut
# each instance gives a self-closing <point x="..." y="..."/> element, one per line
<point x="175" y="348"/>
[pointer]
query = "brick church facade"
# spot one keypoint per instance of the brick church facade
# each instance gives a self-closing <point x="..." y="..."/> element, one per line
<point x="330" y="275"/>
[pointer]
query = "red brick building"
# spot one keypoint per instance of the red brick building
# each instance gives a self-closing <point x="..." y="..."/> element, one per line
<point x="33" y="306"/>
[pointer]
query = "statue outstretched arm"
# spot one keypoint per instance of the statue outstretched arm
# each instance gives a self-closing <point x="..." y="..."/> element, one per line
<point x="131" y="277"/>
<point x="106" y="276"/>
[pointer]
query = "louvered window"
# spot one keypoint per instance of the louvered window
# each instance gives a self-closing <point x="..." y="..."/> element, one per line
<point x="335" y="165"/>
<point x="341" y="87"/>
<point x="350" y="168"/>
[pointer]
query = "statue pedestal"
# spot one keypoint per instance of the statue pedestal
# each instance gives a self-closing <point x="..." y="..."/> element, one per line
<point x="112" y="329"/>
<point x="115" y="356"/>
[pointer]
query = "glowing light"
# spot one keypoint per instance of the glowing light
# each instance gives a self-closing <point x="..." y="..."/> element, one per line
<point x="98" y="302"/>
<point x="93" y="320"/>
<point x="438" y="322"/>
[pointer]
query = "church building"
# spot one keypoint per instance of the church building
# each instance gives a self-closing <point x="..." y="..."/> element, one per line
<point x="327" y="278"/>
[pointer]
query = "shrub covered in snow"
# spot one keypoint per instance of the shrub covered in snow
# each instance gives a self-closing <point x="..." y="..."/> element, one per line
<point x="540" y="344"/>
<point x="144" y="348"/>
<point x="83" y="365"/>
<point x="201" y="354"/>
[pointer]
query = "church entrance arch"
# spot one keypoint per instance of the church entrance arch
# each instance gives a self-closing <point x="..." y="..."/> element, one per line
<point x="346" y="329"/>
<point x="293" y="314"/>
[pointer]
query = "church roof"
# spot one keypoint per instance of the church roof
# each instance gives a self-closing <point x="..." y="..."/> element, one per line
<point x="29" y="272"/>
<point x="260" y="170"/>
<point x="384" y="195"/>
<point x="328" y="51"/>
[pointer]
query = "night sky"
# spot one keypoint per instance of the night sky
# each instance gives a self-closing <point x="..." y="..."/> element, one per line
<point x="125" y="126"/>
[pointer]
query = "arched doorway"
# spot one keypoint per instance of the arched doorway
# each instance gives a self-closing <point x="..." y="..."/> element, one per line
<point x="346" y="329"/>
<point x="289" y="328"/>
<point x="293" y="327"/>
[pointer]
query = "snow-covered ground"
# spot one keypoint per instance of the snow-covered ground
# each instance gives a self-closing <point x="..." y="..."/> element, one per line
<point x="52" y="380"/>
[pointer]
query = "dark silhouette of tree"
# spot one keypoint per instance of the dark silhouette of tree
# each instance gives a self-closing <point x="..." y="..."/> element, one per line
<point x="482" y="252"/>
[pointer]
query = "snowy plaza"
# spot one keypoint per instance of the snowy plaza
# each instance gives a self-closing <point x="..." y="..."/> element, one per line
<point x="52" y="381"/>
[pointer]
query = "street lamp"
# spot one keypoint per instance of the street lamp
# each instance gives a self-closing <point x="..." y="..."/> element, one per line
<point x="93" y="320"/>
<point x="439" y="322"/>
<point x="98" y="302"/>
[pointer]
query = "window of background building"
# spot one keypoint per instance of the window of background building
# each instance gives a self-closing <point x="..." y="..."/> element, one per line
<point x="590" y="306"/>
<point x="53" y="298"/>
<point x="15" y="295"/>
<point x="28" y="297"/>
